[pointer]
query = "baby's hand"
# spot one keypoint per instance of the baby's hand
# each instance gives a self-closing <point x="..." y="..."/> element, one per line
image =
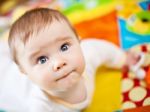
<point x="132" y="58"/>
<point x="134" y="63"/>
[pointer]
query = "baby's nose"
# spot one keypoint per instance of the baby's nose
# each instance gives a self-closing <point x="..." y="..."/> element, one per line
<point x="59" y="65"/>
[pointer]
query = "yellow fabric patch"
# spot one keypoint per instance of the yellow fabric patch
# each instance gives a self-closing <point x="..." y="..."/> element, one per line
<point x="107" y="96"/>
<point x="76" y="17"/>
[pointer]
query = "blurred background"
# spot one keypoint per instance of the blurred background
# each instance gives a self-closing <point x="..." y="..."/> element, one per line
<point x="123" y="22"/>
<point x="114" y="20"/>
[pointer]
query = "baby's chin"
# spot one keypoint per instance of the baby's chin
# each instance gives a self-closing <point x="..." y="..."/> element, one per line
<point x="69" y="81"/>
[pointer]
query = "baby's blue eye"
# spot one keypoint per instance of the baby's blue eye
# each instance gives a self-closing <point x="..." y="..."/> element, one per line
<point x="42" y="60"/>
<point x="64" y="47"/>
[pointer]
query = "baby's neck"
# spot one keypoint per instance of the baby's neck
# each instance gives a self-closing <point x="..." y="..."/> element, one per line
<point x="74" y="95"/>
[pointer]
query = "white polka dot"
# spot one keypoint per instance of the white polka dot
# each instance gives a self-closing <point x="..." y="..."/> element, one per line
<point x="137" y="94"/>
<point x="128" y="104"/>
<point x="146" y="101"/>
<point x="127" y="84"/>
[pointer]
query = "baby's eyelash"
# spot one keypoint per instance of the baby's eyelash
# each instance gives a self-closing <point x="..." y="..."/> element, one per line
<point x="41" y="59"/>
<point x="65" y="47"/>
<point x="66" y="43"/>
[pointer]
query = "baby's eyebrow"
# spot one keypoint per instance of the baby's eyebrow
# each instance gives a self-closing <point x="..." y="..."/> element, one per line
<point x="62" y="38"/>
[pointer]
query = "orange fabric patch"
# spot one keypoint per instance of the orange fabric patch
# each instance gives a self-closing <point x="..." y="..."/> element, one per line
<point x="104" y="27"/>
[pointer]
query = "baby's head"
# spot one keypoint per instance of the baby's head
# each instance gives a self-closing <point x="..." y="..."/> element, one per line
<point x="46" y="47"/>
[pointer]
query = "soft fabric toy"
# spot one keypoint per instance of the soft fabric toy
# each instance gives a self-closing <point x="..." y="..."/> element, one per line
<point x="139" y="23"/>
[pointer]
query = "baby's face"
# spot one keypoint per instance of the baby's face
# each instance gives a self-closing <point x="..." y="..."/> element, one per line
<point x="53" y="58"/>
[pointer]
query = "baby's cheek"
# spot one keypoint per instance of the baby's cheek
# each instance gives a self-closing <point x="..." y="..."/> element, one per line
<point x="47" y="80"/>
<point x="80" y="64"/>
<point x="43" y="80"/>
<point x="47" y="83"/>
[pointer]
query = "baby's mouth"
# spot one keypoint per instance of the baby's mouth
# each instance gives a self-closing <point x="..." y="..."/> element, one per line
<point x="64" y="76"/>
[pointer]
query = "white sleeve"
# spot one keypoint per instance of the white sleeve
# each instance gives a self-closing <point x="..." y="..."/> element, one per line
<point x="100" y="52"/>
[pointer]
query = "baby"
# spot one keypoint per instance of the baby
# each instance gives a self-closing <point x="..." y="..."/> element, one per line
<point x="57" y="69"/>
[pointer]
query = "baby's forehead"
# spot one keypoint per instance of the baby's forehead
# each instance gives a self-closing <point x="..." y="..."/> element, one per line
<point x="51" y="28"/>
<point x="53" y="25"/>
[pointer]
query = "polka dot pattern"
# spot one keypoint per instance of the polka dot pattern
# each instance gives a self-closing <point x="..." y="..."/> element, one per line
<point x="135" y="92"/>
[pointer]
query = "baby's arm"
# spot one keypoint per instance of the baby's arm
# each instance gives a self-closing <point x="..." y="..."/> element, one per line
<point x="100" y="52"/>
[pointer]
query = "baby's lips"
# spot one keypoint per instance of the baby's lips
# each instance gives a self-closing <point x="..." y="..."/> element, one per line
<point x="69" y="81"/>
<point x="61" y="74"/>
